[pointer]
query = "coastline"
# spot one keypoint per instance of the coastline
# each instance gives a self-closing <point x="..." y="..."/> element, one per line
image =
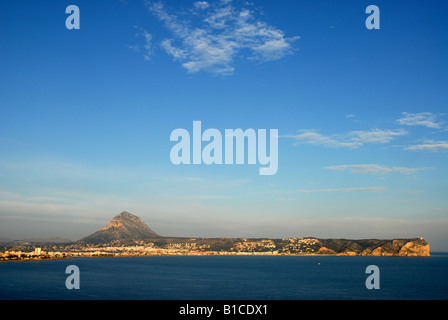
<point x="219" y="247"/>
<point x="34" y="260"/>
<point x="207" y="255"/>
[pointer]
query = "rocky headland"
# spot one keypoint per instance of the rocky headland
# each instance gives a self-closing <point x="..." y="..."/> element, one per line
<point x="128" y="235"/>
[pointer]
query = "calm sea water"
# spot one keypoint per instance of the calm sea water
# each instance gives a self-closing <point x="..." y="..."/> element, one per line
<point x="228" y="278"/>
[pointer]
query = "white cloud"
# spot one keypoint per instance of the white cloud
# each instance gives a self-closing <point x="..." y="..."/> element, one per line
<point x="371" y="189"/>
<point x="175" y="52"/>
<point x="376" y="136"/>
<point x="201" y="5"/>
<point x="314" y="138"/>
<point x="426" y="119"/>
<point x="430" y="145"/>
<point x="374" y="168"/>
<point x="148" y="45"/>
<point x="223" y="33"/>
<point x="354" y="139"/>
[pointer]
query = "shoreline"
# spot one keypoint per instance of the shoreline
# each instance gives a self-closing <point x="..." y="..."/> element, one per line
<point x="211" y="255"/>
<point x="34" y="260"/>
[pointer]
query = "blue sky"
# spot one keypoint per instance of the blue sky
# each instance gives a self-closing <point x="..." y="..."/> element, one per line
<point x="86" y="117"/>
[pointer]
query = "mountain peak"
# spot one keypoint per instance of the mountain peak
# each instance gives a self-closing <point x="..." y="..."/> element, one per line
<point x="125" y="214"/>
<point x="124" y="225"/>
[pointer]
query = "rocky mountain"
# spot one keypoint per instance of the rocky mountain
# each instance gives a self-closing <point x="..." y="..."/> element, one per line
<point x="123" y="226"/>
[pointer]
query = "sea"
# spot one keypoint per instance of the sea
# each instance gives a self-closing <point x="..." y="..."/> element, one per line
<point x="228" y="278"/>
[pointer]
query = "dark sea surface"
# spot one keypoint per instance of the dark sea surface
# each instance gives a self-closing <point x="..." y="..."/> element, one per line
<point x="228" y="278"/>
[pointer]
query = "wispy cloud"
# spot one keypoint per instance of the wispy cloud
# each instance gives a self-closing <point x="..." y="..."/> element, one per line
<point x="201" y="5"/>
<point x="426" y="119"/>
<point x="147" y="46"/>
<point x="219" y="33"/>
<point x="375" y="169"/>
<point x="370" y="189"/>
<point x="354" y="139"/>
<point x="376" y="136"/>
<point x="430" y="145"/>
<point x="181" y="179"/>
<point x="315" y="138"/>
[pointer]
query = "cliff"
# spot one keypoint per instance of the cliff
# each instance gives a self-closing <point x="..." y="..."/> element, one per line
<point x="372" y="247"/>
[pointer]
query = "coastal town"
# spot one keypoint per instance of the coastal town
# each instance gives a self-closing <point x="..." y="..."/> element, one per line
<point x="29" y="251"/>
<point x="24" y="251"/>
<point x="128" y="236"/>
